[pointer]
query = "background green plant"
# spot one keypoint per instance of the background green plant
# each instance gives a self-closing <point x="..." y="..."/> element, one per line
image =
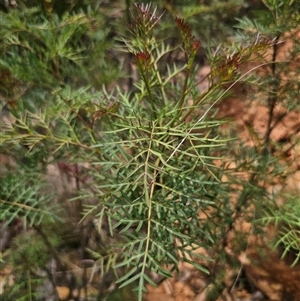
<point x="150" y="147"/>
<point x="265" y="160"/>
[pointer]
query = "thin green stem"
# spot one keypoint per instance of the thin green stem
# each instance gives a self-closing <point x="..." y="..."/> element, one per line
<point x="149" y="94"/>
<point x="200" y="99"/>
<point x="149" y="202"/>
<point x="164" y="96"/>
<point x="184" y="89"/>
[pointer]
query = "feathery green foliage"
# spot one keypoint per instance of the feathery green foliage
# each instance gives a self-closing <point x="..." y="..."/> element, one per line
<point x="151" y="181"/>
<point x="264" y="161"/>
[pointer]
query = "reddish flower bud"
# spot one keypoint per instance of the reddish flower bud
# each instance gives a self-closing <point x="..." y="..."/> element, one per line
<point x="184" y="28"/>
<point x="143" y="59"/>
<point x="195" y="46"/>
<point x="190" y="45"/>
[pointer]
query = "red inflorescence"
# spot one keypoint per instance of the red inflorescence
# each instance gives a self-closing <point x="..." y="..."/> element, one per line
<point x="189" y="43"/>
<point x="184" y="28"/>
<point x="142" y="58"/>
<point x="195" y="46"/>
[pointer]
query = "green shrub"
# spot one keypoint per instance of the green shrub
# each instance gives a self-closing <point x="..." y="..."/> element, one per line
<point x="150" y="149"/>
